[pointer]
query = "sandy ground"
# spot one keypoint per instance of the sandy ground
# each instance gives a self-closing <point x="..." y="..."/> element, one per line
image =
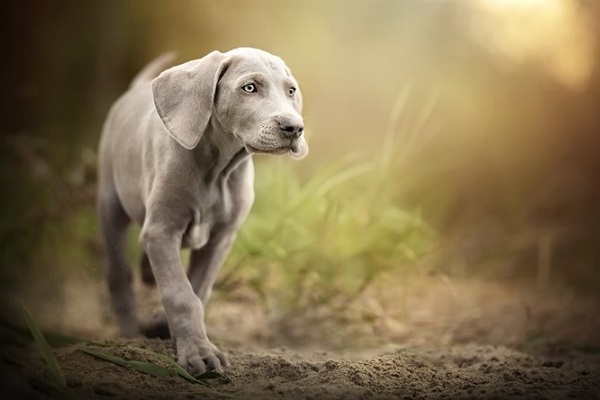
<point x="426" y="341"/>
<point x="470" y="371"/>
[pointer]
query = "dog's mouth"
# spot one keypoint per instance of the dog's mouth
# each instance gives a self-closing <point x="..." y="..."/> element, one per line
<point x="262" y="150"/>
<point x="293" y="149"/>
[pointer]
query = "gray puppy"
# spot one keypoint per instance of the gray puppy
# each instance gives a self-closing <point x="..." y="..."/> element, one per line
<point x="176" y="158"/>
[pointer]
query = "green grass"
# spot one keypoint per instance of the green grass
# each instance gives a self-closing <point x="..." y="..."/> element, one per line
<point x="323" y="241"/>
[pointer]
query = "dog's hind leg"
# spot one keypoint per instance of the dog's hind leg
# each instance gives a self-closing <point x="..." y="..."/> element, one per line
<point x="114" y="223"/>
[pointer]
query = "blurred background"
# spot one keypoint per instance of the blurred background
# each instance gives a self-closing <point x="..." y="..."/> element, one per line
<point x="452" y="191"/>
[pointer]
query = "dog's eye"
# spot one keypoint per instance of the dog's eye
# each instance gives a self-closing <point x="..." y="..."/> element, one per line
<point x="291" y="91"/>
<point x="249" y="88"/>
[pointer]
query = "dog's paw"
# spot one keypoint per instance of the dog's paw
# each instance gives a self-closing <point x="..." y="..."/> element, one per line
<point x="198" y="356"/>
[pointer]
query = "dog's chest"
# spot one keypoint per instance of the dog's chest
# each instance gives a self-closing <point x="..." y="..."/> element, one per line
<point x="214" y="208"/>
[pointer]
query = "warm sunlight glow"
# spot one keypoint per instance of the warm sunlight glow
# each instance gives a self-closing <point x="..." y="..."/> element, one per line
<point x="553" y="33"/>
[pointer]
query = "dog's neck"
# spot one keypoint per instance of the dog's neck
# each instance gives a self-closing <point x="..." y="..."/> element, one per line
<point x="219" y="153"/>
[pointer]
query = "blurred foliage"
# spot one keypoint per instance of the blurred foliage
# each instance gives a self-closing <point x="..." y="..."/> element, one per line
<point x="475" y="120"/>
<point x="320" y="243"/>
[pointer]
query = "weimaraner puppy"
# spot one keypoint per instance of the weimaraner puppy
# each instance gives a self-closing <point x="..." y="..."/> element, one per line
<point x="176" y="157"/>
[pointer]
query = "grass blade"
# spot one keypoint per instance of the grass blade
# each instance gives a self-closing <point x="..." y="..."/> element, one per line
<point x="55" y="373"/>
<point x="54" y="370"/>
<point x="151" y="369"/>
<point x="104" y="356"/>
<point x="141" y="366"/>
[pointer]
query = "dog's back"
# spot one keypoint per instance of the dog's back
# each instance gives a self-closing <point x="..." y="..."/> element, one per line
<point x="123" y="138"/>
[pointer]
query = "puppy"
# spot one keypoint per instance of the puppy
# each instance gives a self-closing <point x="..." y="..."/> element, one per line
<point x="176" y="157"/>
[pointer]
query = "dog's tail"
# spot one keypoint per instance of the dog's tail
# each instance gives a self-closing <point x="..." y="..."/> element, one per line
<point x="154" y="68"/>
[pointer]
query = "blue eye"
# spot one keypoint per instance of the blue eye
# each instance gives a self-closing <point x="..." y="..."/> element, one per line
<point x="291" y="91"/>
<point x="249" y="88"/>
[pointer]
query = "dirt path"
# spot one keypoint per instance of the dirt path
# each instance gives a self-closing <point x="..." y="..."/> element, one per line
<point x="424" y="340"/>
<point x="470" y="371"/>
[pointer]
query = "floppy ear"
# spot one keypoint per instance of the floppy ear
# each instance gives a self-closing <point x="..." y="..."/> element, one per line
<point x="184" y="96"/>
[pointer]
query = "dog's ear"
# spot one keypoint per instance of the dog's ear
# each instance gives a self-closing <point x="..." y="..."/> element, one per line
<point x="184" y="96"/>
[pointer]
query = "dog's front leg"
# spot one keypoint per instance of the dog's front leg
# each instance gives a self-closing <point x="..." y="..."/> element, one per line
<point x="206" y="262"/>
<point x="184" y="310"/>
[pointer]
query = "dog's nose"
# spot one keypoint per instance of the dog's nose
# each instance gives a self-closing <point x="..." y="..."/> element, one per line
<point x="292" y="127"/>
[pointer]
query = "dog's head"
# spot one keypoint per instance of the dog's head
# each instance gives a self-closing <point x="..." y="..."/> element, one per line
<point x="249" y="93"/>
